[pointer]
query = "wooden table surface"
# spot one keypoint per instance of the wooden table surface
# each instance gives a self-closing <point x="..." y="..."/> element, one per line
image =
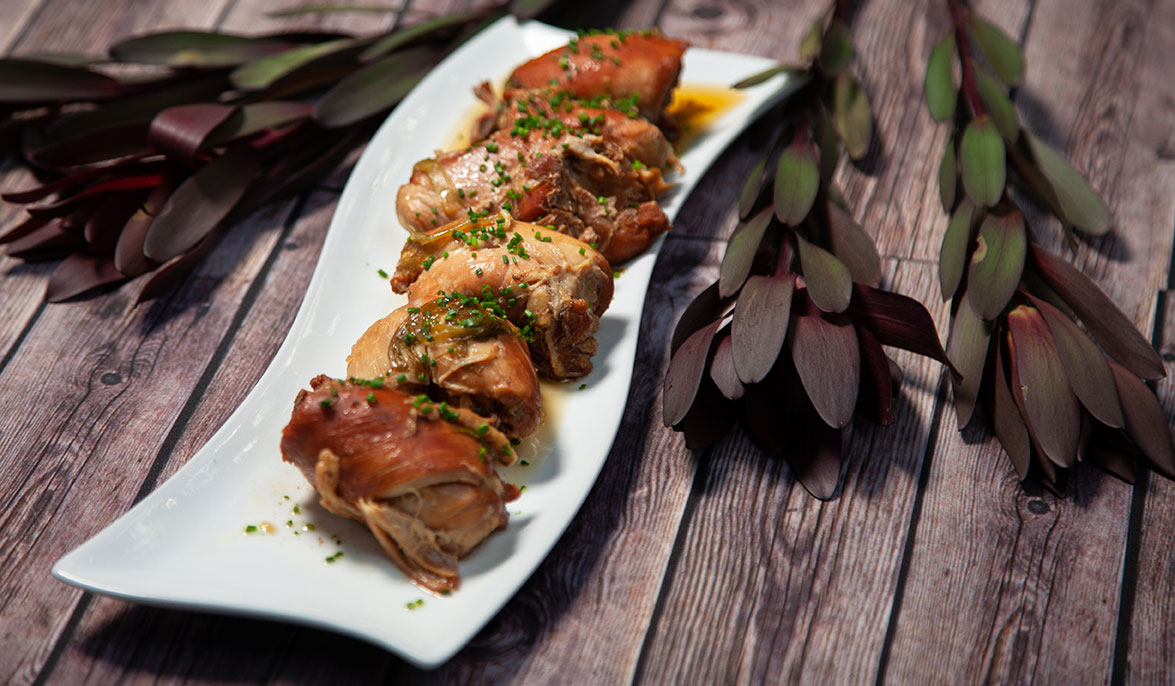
<point x="932" y="564"/>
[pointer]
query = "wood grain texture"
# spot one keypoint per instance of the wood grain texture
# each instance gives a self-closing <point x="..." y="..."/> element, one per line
<point x="14" y="17"/>
<point x="1007" y="584"/>
<point x="776" y="586"/>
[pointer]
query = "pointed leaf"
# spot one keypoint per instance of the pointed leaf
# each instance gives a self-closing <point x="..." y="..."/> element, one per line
<point x="896" y="320"/>
<point x="437" y="25"/>
<point x="687" y="366"/>
<point x="80" y="273"/>
<point x="24" y="228"/>
<point x="836" y="48"/>
<point x="741" y="251"/>
<point x="709" y="418"/>
<point x="852" y="246"/>
<point x="49" y="241"/>
<point x="797" y="179"/>
<point x="1113" y="331"/>
<point x="811" y="44"/>
<point x="199" y="204"/>
<point x="765" y="75"/>
<point x="106" y="147"/>
<point x="1145" y="421"/>
<point x="255" y="118"/>
<point x="167" y="275"/>
<point x="956" y="245"/>
<point x="830" y="285"/>
<point x="1000" y="51"/>
<point x="760" y="325"/>
<point x="706" y="307"/>
<point x="1079" y="204"/>
<point x="940" y="88"/>
<point x="752" y="187"/>
<point x="1051" y="410"/>
<point x="25" y="80"/>
<point x="266" y="71"/>
<point x="999" y="107"/>
<point x="981" y="156"/>
<point x="1086" y="368"/>
<point x="109" y="218"/>
<point x="128" y="253"/>
<point x="875" y="400"/>
<point x="967" y="348"/>
<point x="194" y="49"/>
<point x="722" y="371"/>
<point x="327" y="8"/>
<point x="854" y="121"/>
<point x="180" y="131"/>
<point x="996" y="263"/>
<point x="373" y="89"/>
<point x="828" y="143"/>
<point x="1005" y="419"/>
<point x="948" y="176"/>
<point x="828" y="360"/>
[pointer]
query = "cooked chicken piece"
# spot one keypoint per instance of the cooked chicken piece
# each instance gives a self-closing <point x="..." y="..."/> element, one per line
<point x="580" y="184"/>
<point x="621" y="65"/>
<point x="459" y="352"/>
<point x="418" y="474"/>
<point x="553" y="287"/>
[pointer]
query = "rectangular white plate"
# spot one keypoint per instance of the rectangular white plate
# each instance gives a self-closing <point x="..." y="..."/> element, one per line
<point x="184" y="546"/>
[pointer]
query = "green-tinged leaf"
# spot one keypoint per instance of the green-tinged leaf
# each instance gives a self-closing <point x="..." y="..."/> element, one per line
<point x="263" y="73"/>
<point x="722" y="371"/>
<point x="373" y="89"/>
<point x="854" y="121"/>
<point x="836" y="49"/>
<point x="852" y="246"/>
<point x="325" y="9"/>
<point x="128" y="253"/>
<point x="766" y="75"/>
<point x="26" y="81"/>
<point x="741" y="251"/>
<point x="81" y="273"/>
<point x="1145" y="422"/>
<point x="1079" y="204"/>
<point x="896" y="320"/>
<point x="1086" y="368"/>
<point x="967" y="350"/>
<point x="812" y="42"/>
<point x="797" y="178"/>
<point x="194" y="49"/>
<point x="981" y="156"/>
<point x="830" y="285"/>
<point x="828" y="143"/>
<point x="940" y="88"/>
<point x="760" y="325"/>
<point x="948" y="176"/>
<point x="828" y="361"/>
<point x="999" y="107"/>
<point x="1000" y="51"/>
<point x="706" y="307"/>
<point x="956" y="244"/>
<point x="529" y="9"/>
<point x="996" y="263"/>
<point x="1005" y="419"/>
<point x="1113" y="331"/>
<point x="687" y="366"/>
<point x="752" y="187"/>
<point x="1052" y="413"/>
<point x="254" y="118"/>
<point x="199" y="204"/>
<point x="875" y="399"/>
<point x="427" y="28"/>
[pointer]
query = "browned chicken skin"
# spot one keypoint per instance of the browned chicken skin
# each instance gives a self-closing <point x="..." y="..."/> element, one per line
<point x="475" y="359"/>
<point x="553" y="287"/>
<point x="418" y="474"/>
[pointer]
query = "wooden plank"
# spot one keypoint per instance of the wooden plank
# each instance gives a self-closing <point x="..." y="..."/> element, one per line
<point x="774" y="585"/>
<point x="14" y="16"/>
<point x="81" y="26"/>
<point x="1151" y="649"/>
<point x="1006" y="583"/>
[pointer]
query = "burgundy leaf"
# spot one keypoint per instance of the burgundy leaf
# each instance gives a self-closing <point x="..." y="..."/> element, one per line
<point x="253" y="118"/>
<point x="194" y="49"/>
<point x="830" y="286"/>
<point x="1086" y="368"/>
<point x="24" y="228"/>
<point x="424" y="30"/>
<point x="703" y="309"/>
<point x="708" y="419"/>
<point x="996" y="263"/>
<point x="828" y="360"/>
<point x="128" y="252"/>
<point x="72" y="202"/>
<point x="760" y="325"/>
<point x="135" y="109"/>
<point x="130" y="166"/>
<point x="27" y="81"/>
<point x="175" y="269"/>
<point x="1051" y="410"/>
<point x="49" y="241"/>
<point x="1145" y="422"/>
<point x="875" y="400"/>
<point x="1005" y="419"/>
<point x="855" y="248"/>
<point x="1112" y="329"/>
<point x="310" y="169"/>
<point x="687" y="366"/>
<point x="741" y="251"/>
<point x="1112" y="451"/>
<point x="199" y="204"/>
<point x="896" y="320"/>
<point x="967" y="348"/>
<point x="106" y="222"/>
<point x="374" y="88"/>
<point x="180" y="131"/>
<point x="722" y="371"/>
<point x="80" y="273"/>
<point x="117" y="144"/>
